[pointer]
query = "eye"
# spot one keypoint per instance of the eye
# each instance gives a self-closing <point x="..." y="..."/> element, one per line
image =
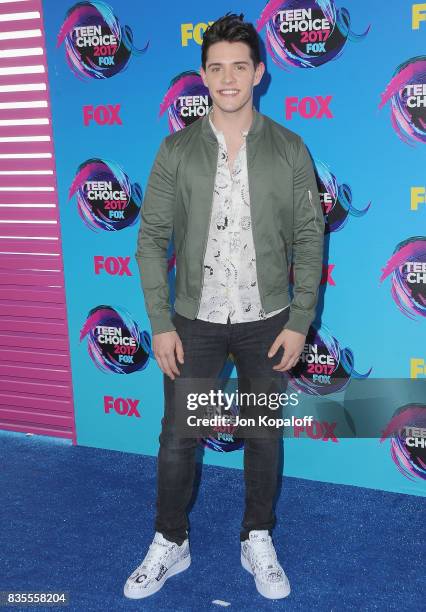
<point x="241" y="67"/>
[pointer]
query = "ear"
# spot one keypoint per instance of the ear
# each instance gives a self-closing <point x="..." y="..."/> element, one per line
<point x="203" y="76"/>
<point x="260" y="69"/>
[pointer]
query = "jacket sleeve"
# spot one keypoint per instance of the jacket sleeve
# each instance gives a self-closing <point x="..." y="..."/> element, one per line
<point x="308" y="242"/>
<point x="155" y="231"/>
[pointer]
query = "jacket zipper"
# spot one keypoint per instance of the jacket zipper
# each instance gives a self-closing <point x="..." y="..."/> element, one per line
<point x="207" y="237"/>
<point x="252" y="229"/>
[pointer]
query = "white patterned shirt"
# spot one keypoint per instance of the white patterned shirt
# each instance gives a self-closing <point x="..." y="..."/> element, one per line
<point x="230" y="278"/>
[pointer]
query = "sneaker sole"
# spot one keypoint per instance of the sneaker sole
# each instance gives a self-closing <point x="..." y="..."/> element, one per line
<point x="177" y="568"/>
<point x="262" y="589"/>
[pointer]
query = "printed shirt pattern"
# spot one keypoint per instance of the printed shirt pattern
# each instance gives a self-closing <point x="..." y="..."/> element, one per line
<point x="230" y="279"/>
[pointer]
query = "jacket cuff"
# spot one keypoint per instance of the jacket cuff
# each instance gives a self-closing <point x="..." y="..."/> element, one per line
<point x="298" y="322"/>
<point x="161" y="323"/>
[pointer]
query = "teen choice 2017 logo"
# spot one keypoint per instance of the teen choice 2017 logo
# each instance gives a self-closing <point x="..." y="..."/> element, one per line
<point x="407" y="268"/>
<point x="224" y="439"/>
<point x="106" y="199"/>
<point x="114" y="341"/>
<point x="407" y="95"/>
<point x="96" y="45"/>
<point x="407" y="432"/>
<point x="324" y="367"/>
<point x="186" y="100"/>
<point x="336" y="199"/>
<point x="306" y="33"/>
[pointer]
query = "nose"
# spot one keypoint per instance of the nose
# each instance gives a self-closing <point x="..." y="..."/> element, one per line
<point x="228" y="75"/>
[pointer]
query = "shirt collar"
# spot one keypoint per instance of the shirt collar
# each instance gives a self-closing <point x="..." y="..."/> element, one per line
<point x="255" y="132"/>
<point x="219" y="133"/>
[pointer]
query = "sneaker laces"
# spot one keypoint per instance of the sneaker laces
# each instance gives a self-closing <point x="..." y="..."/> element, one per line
<point x="154" y="556"/>
<point x="264" y="554"/>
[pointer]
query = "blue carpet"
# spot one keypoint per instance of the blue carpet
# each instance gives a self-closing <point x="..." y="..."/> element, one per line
<point x="80" y="519"/>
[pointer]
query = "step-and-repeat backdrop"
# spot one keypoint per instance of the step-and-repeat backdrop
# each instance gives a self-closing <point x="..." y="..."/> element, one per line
<point x="351" y="80"/>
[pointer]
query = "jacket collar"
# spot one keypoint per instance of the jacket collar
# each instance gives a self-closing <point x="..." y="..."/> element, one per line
<point x="255" y="128"/>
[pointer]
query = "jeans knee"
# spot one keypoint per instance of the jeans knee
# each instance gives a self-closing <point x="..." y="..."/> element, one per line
<point x="174" y="443"/>
<point x="262" y="452"/>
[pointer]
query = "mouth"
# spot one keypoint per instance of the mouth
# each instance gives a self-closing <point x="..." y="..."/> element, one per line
<point x="229" y="92"/>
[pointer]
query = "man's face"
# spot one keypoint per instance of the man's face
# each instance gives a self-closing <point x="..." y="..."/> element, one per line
<point x="230" y="75"/>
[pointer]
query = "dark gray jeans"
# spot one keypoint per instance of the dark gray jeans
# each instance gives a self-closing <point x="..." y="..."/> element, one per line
<point x="207" y="346"/>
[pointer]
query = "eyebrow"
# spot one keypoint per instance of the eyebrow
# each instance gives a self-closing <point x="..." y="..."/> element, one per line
<point x="220" y="63"/>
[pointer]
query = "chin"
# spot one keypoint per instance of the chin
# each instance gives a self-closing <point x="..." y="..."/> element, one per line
<point x="229" y="106"/>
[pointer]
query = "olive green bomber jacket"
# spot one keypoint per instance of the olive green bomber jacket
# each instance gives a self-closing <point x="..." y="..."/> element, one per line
<point x="287" y="221"/>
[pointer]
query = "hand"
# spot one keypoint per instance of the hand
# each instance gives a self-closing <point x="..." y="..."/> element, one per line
<point x="293" y="343"/>
<point x="164" y="346"/>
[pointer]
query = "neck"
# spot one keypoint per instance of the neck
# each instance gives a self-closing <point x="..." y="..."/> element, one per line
<point x="232" y="122"/>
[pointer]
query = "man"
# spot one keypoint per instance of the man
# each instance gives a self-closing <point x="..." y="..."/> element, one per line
<point x="238" y="192"/>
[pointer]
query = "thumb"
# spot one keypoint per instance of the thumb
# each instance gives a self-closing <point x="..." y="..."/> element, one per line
<point x="179" y="350"/>
<point x="274" y="347"/>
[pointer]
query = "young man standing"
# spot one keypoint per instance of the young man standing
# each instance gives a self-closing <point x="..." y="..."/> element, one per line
<point x="238" y="193"/>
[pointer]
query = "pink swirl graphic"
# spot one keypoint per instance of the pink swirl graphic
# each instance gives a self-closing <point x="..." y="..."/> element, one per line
<point x="408" y="282"/>
<point x="106" y="199"/>
<point x="114" y="341"/>
<point x="407" y="94"/>
<point x="306" y="33"/>
<point x="324" y="367"/>
<point x="225" y="439"/>
<point x="96" y="45"/>
<point x="186" y="100"/>
<point x="408" y="446"/>
<point x="336" y="199"/>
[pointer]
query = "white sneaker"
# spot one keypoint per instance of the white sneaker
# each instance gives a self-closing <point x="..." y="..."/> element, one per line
<point x="164" y="559"/>
<point x="258" y="557"/>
